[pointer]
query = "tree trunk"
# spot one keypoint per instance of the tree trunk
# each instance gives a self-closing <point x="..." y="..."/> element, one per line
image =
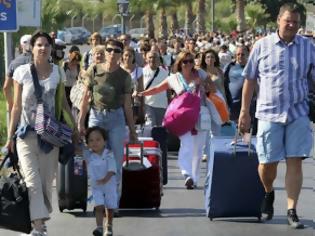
<point x="201" y="14"/>
<point x="163" y="27"/>
<point x="149" y="24"/>
<point x="174" y="23"/>
<point x="189" y="18"/>
<point x="240" y="15"/>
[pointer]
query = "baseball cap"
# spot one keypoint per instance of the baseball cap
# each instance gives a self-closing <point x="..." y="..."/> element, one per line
<point x="25" y="39"/>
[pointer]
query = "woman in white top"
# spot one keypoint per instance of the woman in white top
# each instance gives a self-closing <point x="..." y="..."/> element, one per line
<point x="128" y="63"/>
<point x="38" y="159"/>
<point x="191" y="143"/>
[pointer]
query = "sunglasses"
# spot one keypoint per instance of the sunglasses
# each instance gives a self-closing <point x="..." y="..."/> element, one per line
<point x="115" y="50"/>
<point x="191" y="61"/>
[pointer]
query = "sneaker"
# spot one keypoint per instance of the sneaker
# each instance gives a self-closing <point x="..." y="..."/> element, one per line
<point x="35" y="232"/>
<point x="189" y="183"/>
<point x="98" y="231"/>
<point x="267" y="205"/>
<point x="108" y="230"/>
<point x="293" y="220"/>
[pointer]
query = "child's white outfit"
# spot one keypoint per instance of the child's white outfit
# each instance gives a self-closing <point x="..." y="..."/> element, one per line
<point x="98" y="167"/>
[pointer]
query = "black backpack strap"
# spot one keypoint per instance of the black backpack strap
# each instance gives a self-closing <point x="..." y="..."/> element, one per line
<point x="38" y="89"/>
<point x="151" y="81"/>
<point x="65" y="66"/>
<point x="86" y="60"/>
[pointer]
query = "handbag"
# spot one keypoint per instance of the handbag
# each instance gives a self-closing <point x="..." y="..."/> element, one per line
<point x="14" y="204"/>
<point x="215" y="116"/>
<point x="221" y="106"/>
<point x="76" y="93"/>
<point x="47" y="126"/>
<point x="182" y="113"/>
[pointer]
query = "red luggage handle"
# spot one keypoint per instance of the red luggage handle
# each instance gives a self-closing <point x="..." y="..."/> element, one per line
<point x="141" y="153"/>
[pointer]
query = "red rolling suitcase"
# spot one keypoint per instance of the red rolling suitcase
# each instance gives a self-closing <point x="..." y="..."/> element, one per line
<point x="142" y="176"/>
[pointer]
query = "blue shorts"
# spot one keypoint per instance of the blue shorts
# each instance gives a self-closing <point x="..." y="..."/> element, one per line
<point x="278" y="141"/>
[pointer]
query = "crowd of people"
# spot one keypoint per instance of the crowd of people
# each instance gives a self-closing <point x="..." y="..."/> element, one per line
<point x="127" y="82"/>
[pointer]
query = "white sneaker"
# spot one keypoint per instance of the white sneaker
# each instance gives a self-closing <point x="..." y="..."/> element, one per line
<point x="35" y="233"/>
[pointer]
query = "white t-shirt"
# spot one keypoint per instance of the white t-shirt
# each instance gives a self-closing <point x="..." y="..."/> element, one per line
<point x="23" y="76"/>
<point x="99" y="165"/>
<point x="175" y="83"/>
<point x="158" y="100"/>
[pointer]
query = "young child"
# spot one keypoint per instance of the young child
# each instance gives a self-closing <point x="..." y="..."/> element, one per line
<point x="101" y="169"/>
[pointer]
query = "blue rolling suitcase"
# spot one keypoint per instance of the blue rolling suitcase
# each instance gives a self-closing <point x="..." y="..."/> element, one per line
<point x="233" y="187"/>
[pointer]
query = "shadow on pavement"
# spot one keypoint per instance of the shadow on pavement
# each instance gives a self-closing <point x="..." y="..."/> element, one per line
<point x="163" y="213"/>
<point x="282" y="220"/>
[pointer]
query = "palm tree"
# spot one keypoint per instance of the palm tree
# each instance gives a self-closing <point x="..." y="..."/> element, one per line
<point x="174" y="21"/>
<point x="201" y="15"/>
<point x="256" y="15"/>
<point x="163" y="23"/>
<point x="189" y="17"/>
<point x="240" y="15"/>
<point x="145" y="7"/>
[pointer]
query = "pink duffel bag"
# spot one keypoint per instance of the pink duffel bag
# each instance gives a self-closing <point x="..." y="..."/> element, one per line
<point x="182" y="113"/>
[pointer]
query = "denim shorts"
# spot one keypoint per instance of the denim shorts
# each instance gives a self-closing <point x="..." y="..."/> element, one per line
<point x="278" y="141"/>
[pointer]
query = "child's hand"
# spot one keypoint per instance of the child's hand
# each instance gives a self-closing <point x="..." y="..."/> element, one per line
<point x="105" y="179"/>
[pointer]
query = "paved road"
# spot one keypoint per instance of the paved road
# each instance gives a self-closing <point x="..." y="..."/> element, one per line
<point x="182" y="214"/>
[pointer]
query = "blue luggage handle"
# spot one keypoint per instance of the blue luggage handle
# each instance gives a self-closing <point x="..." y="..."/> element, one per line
<point x="236" y="144"/>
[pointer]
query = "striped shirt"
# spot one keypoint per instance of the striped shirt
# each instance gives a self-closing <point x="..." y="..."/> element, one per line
<point x="281" y="73"/>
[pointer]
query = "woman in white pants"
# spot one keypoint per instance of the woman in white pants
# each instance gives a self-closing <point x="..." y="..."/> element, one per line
<point x="186" y="77"/>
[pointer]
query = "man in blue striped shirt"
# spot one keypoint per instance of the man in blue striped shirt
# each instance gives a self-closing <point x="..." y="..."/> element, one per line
<point x="277" y="68"/>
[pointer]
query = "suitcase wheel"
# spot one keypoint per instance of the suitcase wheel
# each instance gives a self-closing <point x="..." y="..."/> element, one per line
<point x="84" y="208"/>
<point x="61" y="209"/>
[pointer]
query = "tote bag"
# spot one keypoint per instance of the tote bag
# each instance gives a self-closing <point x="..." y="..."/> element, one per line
<point x="14" y="204"/>
<point x="221" y="106"/>
<point x="182" y="113"/>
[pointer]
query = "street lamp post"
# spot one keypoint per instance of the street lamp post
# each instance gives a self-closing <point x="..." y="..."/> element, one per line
<point x="123" y="11"/>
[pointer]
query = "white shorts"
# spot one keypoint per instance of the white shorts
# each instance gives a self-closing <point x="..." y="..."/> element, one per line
<point x="104" y="196"/>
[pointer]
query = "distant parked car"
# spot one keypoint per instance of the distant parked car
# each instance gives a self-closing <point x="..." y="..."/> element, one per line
<point x="74" y="35"/>
<point x="85" y="34"/>
<point x="109" y="31"/>
<point x="137" y="32"/>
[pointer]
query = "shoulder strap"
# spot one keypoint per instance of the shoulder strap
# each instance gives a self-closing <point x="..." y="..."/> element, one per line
<point x="151" y="81"/>
<point x="65" y="66"/>
<point x="38" y="89"/>
<point x="184" y="83"/>
<point x="86" y="59"/>
<point x="91" y="84"/>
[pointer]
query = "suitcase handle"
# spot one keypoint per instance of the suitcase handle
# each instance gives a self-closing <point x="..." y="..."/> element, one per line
<point x="141" y="153"/>
<point x="238" y="137"/>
